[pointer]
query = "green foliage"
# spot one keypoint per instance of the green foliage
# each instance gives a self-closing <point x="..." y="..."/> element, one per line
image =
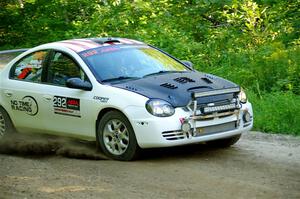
<point x="39" y="21"/>
<point x="255" y="43"/>
<point x="276" y="112"/>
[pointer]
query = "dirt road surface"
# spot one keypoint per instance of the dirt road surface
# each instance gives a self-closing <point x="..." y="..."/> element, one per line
<point x="258" y="166"/>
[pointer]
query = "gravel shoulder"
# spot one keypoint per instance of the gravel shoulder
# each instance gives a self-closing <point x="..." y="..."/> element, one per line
<point x="258" y="166"/>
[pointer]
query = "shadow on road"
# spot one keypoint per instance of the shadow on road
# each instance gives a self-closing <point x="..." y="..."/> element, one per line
<point x="187" y="151"/>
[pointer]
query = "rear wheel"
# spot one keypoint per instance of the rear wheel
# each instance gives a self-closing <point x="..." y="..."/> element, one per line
<point x="6" y="126"/>
<point x="226" y="142"/>
<point x="116" y="137"/>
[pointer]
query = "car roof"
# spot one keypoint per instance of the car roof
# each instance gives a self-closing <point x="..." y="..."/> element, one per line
<point x="79" y="45"/>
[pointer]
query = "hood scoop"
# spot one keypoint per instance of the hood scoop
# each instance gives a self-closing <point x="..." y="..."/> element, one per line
<point x="168" y="85"/>
<point x="183" y="80"/>
<point x="200" y="88"/>
<point x="206" y="80"/>
<point x="131" y="88"/>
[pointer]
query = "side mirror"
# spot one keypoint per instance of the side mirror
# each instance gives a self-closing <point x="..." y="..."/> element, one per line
<point x="187" y="63"/>
<point x="79" y="84"/>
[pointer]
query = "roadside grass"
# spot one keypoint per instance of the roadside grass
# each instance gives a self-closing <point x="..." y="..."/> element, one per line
<point x="277" y="112"/>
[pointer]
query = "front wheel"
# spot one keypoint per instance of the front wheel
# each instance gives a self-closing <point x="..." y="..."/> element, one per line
<point x="226" y="142"/>
<point x="116" y="137"/>
<point x="6" y="126"/>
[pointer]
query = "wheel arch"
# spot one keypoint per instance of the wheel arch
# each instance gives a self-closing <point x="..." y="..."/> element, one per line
<point x="106" y="110"/>
<point x="9" y="118"/>
<point x="5" y="111"/>
<point x="132" y="149"/>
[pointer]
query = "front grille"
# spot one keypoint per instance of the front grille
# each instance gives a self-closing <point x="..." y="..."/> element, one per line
<point x="216" y="128"/>
<point x="200" y="131"/>
<point x="173" y="135"/>
<point x="214" y="115"/>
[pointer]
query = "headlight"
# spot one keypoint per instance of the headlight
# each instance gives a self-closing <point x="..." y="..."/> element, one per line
<point x="159" y="108"/>
<point x="242" y="96"/>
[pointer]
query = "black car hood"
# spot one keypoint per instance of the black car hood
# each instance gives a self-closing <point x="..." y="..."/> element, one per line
<point x="176" y="88"/>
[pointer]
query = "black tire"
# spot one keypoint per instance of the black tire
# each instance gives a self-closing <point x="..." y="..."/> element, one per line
<point x="226" y="142"/>
<point x="6" y="126"/>
<point x="114" y="132"/>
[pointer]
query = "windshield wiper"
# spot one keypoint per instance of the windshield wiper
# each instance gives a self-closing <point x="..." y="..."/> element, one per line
<point x="164" y="71"/>
<point x="120" y="78"/>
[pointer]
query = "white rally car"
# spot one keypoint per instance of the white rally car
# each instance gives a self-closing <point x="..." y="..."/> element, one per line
<point x="121" y="93"/>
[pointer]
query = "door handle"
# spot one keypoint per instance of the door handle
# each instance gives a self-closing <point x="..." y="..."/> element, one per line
<point x="8" y="93"/>
<point x="47" y="97"/>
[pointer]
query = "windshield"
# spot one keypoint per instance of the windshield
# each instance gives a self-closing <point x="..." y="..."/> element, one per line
<point x="121" y="62"/>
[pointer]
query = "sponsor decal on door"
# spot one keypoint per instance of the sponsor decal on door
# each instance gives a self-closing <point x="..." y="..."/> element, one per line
<point x="66" y="106"/>
<point x="28" y="105"/>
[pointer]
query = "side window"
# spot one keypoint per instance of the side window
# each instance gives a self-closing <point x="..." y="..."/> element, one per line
<point x="61" y="68"/>
<point x="29" y="68"/>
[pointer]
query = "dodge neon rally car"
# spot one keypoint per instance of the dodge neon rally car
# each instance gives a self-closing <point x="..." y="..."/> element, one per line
<point x="121" y="93"/>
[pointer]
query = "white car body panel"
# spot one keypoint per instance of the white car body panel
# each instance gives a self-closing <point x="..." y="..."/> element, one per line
<point x="148" y="128"/>
<point x="150" y="134"/>
<point x="84" y="126"/>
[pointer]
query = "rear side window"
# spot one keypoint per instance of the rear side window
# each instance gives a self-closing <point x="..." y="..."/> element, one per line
<point x="30" y="67"/>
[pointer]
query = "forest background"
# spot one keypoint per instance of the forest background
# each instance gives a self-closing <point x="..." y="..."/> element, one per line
<point x="255" y="43"/>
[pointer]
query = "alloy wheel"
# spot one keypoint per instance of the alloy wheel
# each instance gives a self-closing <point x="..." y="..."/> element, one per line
<point x="116" y="137"/>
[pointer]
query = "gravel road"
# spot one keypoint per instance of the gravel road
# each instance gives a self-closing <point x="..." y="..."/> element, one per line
<point x="258" y="166"/>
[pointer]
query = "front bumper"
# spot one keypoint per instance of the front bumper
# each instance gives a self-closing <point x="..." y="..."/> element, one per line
<point x="154" y="131"/>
